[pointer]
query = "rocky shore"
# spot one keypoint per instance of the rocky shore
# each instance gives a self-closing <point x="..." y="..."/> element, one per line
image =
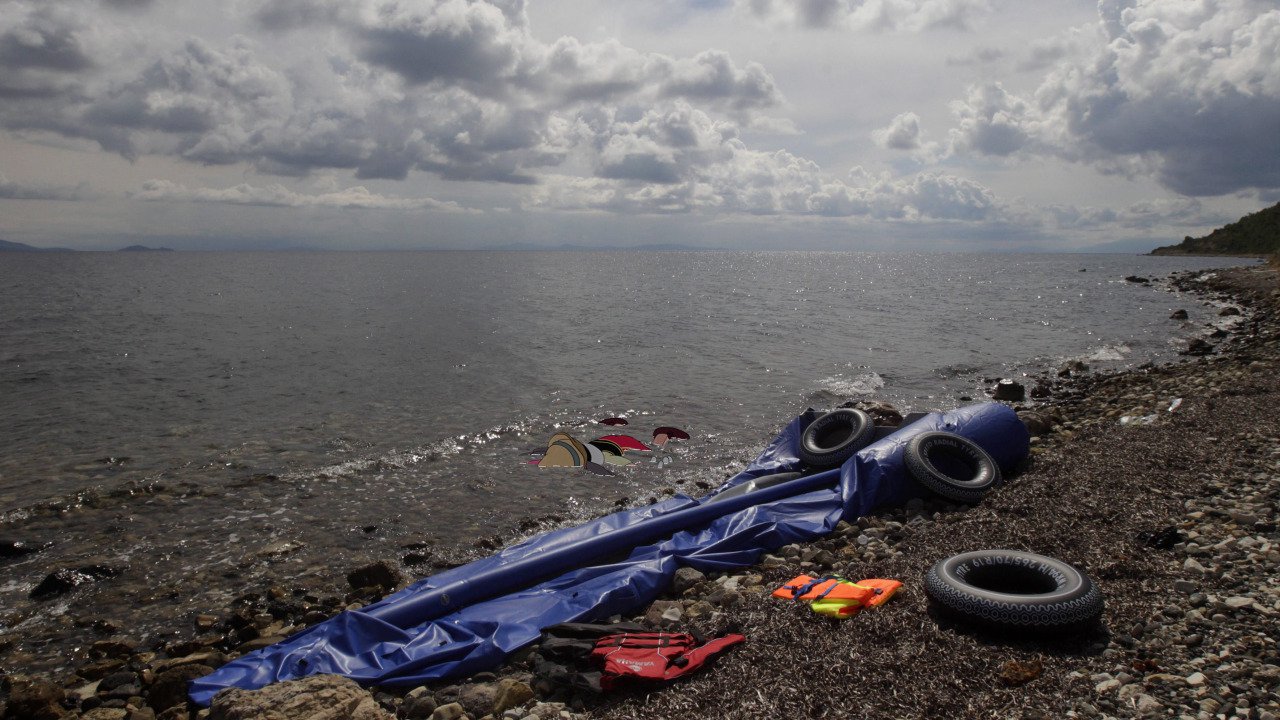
<point x="1161" y="482"/>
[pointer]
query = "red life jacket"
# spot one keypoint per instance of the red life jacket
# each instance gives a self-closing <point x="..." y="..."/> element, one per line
<point x="654" y="656"/>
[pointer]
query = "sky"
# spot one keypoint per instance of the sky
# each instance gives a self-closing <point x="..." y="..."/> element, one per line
<point x="955" y="125"/>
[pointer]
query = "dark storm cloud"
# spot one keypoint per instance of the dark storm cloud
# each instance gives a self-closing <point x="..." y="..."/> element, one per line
<point x="48" y="41"/>
<point x="909" y="15"/>
<point x="474" y="54"/>
<point x="1187" y="94"/>
<point x="281" y="15"/>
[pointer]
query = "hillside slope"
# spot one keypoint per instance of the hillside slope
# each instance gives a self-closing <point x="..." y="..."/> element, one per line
<point x="1255" y="234"/>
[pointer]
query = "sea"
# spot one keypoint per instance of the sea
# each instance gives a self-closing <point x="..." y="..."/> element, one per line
<point x="208" y="424"/>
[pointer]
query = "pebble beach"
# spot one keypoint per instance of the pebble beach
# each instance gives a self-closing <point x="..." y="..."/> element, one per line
<point x="1161" y="482"/>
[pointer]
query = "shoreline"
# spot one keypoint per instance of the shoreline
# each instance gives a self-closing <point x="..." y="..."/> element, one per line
<point x="1082" y="417"/>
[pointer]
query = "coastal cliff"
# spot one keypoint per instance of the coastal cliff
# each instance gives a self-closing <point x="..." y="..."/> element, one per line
<point x="1257" y="234"/>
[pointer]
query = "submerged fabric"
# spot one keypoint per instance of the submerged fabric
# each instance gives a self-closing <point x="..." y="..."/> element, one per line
<point x="370" y="650"/>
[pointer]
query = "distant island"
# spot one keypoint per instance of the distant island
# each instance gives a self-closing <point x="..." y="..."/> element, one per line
<point x="10" y="246"/>
<point x="1256" y="235"/>
<point x="144" y="248"/>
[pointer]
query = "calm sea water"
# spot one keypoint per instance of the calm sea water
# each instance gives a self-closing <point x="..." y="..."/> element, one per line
<point x="185" y="414"/>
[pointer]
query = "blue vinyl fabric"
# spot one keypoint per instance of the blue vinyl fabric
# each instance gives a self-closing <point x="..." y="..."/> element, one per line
<point x="464" y="620"/>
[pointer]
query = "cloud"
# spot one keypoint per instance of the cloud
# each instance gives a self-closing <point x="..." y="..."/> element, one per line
<point x="455" y="41"/>
<point x="48" y="39"/>
<point x="10" y="190"/>
<point x="277" y="195"/>
<point x="979" y="56"/>
<point x="459" y="88"/>
<point x="1186" y="92"/>
<point x="906" y="15"/>
<point x="131" y="5"/>
<point x="681" y="160"/>
<point x="1145" y="215"/>
<point x="992" y="121"/>
<point x="902" y="133"/>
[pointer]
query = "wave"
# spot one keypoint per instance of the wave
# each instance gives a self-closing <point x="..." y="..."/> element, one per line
<point x="1109" y="353"/>
<point x="861" y="384"/>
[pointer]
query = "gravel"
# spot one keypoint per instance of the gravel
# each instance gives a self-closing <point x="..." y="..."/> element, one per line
<point x="1190" y="628"/>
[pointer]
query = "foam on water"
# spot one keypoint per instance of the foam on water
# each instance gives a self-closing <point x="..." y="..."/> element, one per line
<point x="861" y="384"/>
<point x="1110" y="353"/>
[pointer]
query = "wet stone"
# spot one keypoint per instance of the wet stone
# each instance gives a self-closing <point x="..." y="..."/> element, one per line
<point x="1009" y="390"/>
<point x="20" y="548"/>
<point x="62" y="581"/>
<point x="117" y="679"/>
<point x="34" y="698"/>
<point x="380" y="574"/>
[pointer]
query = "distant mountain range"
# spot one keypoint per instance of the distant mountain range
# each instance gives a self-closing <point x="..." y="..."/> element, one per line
<point x="570" y="247"/>
<point x="8" y="246"/>
<point x="1257" y="234"/>
<point x="144" y="248"/>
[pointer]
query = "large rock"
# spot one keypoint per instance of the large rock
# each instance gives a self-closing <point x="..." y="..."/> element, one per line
<point x="60" y="582"/>
<point x="1010" y="390"/>
<point x="19" y="548"/>
<point x="1037" y="423"/>
<point x="170" y="686"/>
<point x="478" y="698"/>
<point x="686" y="578"/>
<point x="380" y="574"/>
<point x="882" y="412"/>
<point x="1073" y="367"/>
<point x="511" y="694"/>
<point x="321" y="697"/>
<point x="1197" y="346"/>
<point x="34" y="698"/>
<point x="664" y="613"/>
<point x="452" y="711"/>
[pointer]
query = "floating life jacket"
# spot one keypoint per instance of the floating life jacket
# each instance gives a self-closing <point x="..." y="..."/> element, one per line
<point x="837" y="597"/>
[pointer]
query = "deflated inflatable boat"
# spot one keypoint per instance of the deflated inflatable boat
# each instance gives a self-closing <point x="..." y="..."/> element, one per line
<point x="470" y="618"/>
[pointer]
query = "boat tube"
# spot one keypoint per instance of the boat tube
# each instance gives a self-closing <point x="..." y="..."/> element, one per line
<point x="470" y="618"/>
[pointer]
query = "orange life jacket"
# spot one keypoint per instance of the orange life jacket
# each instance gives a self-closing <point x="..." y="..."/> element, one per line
<point x="836" y="596"/>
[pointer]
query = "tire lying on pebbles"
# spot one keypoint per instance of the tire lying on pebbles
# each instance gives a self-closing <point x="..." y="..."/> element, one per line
<point x="952" y="466"/>
<point x="1012" y="590"/>
<point x="834" y="437"/>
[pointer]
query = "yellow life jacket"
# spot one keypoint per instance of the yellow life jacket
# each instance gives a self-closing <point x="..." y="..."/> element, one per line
<point x="837" y="597"/>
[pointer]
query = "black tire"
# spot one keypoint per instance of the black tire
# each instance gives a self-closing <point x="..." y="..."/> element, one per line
<point x="1012" y="590"/>
<point x="834" y="437"/>
<point x="952" y="466"/>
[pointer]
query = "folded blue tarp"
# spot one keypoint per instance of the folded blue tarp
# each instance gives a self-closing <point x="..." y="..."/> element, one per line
<point x="470" y="618"/>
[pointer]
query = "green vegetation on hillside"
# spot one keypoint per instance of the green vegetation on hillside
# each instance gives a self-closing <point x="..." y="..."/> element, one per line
<point x="1256" y="234"/>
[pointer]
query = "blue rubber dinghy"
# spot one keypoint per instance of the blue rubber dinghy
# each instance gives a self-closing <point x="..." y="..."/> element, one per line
<point x="470" y="618"/>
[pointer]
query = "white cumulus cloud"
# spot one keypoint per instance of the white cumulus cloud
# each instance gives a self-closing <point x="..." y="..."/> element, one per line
<point x="276" y="195"/>
<point x="1188" y="92"/>
<point x="909" y="15"/>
